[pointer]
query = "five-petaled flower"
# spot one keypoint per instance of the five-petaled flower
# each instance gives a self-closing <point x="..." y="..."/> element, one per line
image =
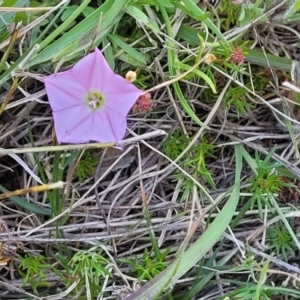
<point x="90" y="102"/>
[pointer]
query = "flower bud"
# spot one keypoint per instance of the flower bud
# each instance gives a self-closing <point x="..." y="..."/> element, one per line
<point x="130" y="76"/>
<point x="209" y="58"/>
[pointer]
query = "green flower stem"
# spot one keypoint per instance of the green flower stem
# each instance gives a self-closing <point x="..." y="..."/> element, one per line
<point x="172" y="58"/>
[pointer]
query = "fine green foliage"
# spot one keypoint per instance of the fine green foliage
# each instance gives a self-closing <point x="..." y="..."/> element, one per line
<point x="251" y="12"/>
<point x="267" y="182"/>
<point x="280" y="241"/>
<point x="90" y="262"/>
<point x="148" y="266"/>
<point x="33" y="271"/>
<point x="194" y="162"/>
<point x="236" y="100"/>
<point x="175" y="144"/>
<point x="88" y="266"/>
<point x="86" y="165"/>
<point x="152" y="262"/>
<point x="232" y="11"/>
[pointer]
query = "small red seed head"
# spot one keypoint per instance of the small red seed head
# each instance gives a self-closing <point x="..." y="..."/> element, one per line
<point x="237" y="56"/>
<point x="143" y="104"/>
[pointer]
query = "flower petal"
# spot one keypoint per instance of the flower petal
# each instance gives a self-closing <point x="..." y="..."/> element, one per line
<point x="73" y="125"/>
<point x="93" y="71"/>
<point x="82" y="126"/>
<point x="120" y="95"/>
<point x="108" y="126"/>
<point x="64" y="91"/>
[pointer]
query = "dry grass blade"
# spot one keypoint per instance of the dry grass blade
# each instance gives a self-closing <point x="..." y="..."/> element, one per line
<point x="34" y="189"/>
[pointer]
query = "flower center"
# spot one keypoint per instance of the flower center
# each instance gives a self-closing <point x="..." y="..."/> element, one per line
<point x="94" y="100"/>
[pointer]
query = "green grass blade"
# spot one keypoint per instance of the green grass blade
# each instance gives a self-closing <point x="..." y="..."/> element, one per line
<point x="83" y="32"/>
<point x="262" y="280"/>
<point x="206" y="277"/>
<point x="165" y="3"/>
<point x="174" y="69"/>
<point x="193" y="11"/>
<point x="128" y="49"/>
<point x="64" y="25"/>
<point x="266" y="60"/>
<point x="7" y="74"/>
<point x="137" y="14"/>
<point x="199" y="74"/>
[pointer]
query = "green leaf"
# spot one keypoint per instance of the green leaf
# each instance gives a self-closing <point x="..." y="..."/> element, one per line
<point x="200" y="74"/>
<point x="25" y="204"/>
<point x="197" y="15"/>
<point x="262" y="279"/>
<point x="4" y="36"/>
<point x="68" y="12"/>
<point x="7" y="16"/>
<point x="138" y="57"/>
<point x="130" y="60"/>
<point x="108" y="53"/>
<point x="294" y="18"/>
<point x="88" y="11"/>
<point x="165" y="3"/>
<point x="136" y="13"/>
<point x="174" y="70"/>
<point x="28" y="19"/>
<point x="190" y="7"/>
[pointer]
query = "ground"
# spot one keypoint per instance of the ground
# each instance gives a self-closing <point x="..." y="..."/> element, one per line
<point x="198" y="199"/>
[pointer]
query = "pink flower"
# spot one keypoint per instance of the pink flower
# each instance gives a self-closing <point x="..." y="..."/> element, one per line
<point x="90" y="101"/>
